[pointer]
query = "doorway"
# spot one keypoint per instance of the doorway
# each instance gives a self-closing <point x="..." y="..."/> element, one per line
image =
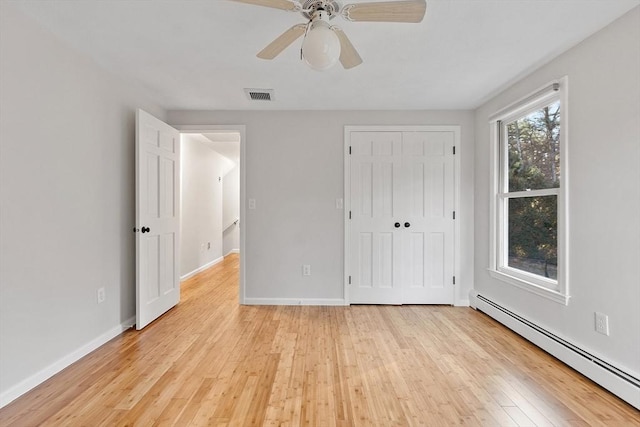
<point x="212" y="207"/>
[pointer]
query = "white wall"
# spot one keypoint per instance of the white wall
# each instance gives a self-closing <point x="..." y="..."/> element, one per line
<point x="67" y="201"/>
<point x="231" y="210"/>
<point x="295" y="171"/>
<point x="201" y="204"/>
<point x="604" y="195"/>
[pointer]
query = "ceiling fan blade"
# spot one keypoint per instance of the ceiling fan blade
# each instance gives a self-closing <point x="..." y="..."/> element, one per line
<point x="282" y="42"/>
<point x="389" y="11"/>
<point x="349" y="56"/>
<point x="276" y="4"/>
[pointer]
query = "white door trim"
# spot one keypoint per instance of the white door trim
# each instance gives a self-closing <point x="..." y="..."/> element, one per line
<point x="456" y="129"/>
<point x="241" y="129"/>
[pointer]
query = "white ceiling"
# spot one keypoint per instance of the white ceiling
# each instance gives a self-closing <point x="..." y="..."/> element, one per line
<point x="201" y="54"/>
<point x="227" y="144"/>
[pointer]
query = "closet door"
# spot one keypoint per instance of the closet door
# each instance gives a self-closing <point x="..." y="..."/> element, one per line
<point x="376" y="159"/>
<point x="428" y="251"/>
<point x="401" y="226"/>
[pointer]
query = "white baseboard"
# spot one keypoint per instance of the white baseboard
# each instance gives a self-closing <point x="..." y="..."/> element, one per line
<point x="233" y="251"/>
<point x="462" y="303"/>
<point x="38" y="378"/>
<point x="202" y="268"/>
<point x="618" y="381"/>
<point x="294" y="301"/>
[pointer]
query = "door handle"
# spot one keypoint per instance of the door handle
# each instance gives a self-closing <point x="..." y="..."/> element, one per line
<point x="396" y="225"/>
<point x="407" y="225"/>
<point x="145" y="229"/>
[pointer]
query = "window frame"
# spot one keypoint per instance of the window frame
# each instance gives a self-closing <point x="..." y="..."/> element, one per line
<point x="555" y="290"/>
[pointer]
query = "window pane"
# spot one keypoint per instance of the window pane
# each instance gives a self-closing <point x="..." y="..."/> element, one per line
<point x="534" y="150"/>
<point x="533" y="235"/>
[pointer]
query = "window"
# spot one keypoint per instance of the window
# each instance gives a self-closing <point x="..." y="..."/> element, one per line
<point x="528" y="222"/>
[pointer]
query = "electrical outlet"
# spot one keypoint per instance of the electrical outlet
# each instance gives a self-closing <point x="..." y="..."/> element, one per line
<point x="602" y="323"/>
<point x="306" y="270"/>
<point x="101" y="295"/>
<point x="339" y="203"/>
<point x="202" y="247"/>
<point x="252" y="203"/>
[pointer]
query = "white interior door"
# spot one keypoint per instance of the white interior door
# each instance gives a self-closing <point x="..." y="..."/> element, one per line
<point x="401" y="227"/>
<point x="157" y="218"/>
<point x="376" y="159"/>
<point x="428" y="249"/>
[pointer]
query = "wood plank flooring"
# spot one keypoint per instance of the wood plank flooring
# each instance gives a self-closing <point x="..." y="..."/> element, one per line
<point x="210" y="361"/>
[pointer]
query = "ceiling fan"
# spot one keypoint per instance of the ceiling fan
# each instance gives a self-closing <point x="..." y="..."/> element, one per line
<point x="324" y="44"/>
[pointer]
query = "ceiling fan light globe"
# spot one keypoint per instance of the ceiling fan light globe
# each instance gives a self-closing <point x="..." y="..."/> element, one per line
<point x="321" y="48"/>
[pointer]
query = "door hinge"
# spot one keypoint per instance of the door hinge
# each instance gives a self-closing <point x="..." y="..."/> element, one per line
<point x="454" y="214"/>
<point x="454" y="149"/>
<point x="349" y="279"/>
<point x="454" y="280"/>
<point x="349" y="214"/>
<point x="349" y="149"/>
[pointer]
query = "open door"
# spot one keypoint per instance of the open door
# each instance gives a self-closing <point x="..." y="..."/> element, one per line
<point x="157" y="218"/>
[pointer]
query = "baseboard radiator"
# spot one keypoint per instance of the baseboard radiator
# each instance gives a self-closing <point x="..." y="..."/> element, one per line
<point x="619" y="382"/>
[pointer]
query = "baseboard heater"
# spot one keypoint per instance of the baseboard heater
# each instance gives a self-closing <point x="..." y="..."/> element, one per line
<point x="619" y="382"/>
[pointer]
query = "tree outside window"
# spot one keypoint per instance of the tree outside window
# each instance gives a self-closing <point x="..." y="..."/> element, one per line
<point x="533" y="150"/>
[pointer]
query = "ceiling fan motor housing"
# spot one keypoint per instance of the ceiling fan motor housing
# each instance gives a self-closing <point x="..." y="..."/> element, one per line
<point x="310" y="7"/>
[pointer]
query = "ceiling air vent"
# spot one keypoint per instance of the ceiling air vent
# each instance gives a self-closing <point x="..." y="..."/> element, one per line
<point x="259" y="94"/>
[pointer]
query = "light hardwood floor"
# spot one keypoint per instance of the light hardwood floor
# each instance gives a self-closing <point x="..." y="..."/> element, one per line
<point x="210" y="361"/>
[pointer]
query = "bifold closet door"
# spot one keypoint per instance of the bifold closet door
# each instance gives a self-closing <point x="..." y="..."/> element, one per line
<point x="402" y="229"/>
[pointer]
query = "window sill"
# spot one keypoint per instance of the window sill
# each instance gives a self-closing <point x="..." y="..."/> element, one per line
<point x="551" y="294"/>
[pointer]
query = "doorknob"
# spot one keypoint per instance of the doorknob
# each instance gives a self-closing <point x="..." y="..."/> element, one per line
<point x="407" y="225"/>
<point x="397" y="225"/>
<point x="145" y="229"/>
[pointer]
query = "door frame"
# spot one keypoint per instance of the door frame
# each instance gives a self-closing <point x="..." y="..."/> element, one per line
<point x="241" y="129"/>
<point x="456" y="129"/>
